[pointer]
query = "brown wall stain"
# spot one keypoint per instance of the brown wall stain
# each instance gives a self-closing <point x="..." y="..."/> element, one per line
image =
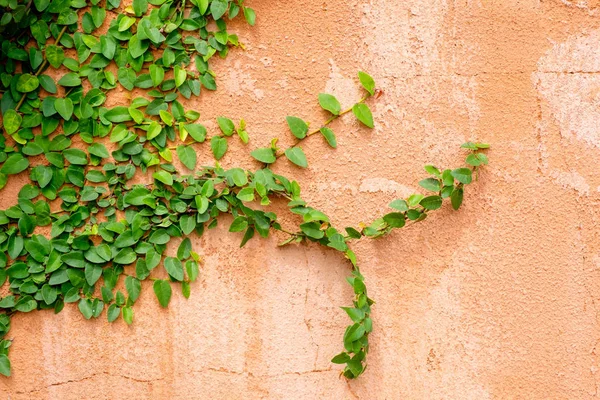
<point x="497" y="301"/>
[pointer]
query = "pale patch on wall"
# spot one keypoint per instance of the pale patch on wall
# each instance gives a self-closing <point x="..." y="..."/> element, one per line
<point x="374" y="185"/>
<point x="240" y="83"/>
<point x="568" y="84"/>
<point x="342" y="87"/>
<point x="449" y="344"/>
<point x="571" y="180"/>
<point x="590" y="5"/>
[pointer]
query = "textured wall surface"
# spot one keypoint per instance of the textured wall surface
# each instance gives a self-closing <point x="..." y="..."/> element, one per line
<point x="500" y="300"/>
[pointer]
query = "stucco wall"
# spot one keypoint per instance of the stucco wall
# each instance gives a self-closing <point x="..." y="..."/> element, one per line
<point x="496" y="301"/>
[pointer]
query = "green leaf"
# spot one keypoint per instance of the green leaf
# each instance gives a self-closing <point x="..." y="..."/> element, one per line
<point x="49" y="294"/>
<point x="330" y="103"/>
<point x="399" y="205"/>
<point x="92" y="274"/>
<point x="113" y="312"/>
<point x="355" y="314"/>
<point x="363" y="114"/>
<point x="202" y="6"/>
<point x="55" y="55"/>
<point x="14" y="164"/>
<point x="184" y="249"/>
<point x="27" y="83"/>
<point x="12" y="121"/>
<point x="70" y="79"/>
<point x="166" y="117"/>
<point x="312" y="230"/>
<point x="103" y="251"/>
<point x="395" y="220"/>
<point x="196" y="131"/>
<point x="4" y="365"/>
<point x="85" y="306"/>
<point x="218" y="146"/>
<point x="430" y="184"/>
<point x="329" y="136"/>
<point x="431" y="202"/>
<point x="64" y="106"/>
<point x="134" y="287"/>
<point x="218" y="8"/>
<point x="75" y="156"/>
<point x="137" y="197"/>
<point x="187" y="223"/>
<point x="296" y="155"/>
<point x="298" y="127"/>
<point x="99" y="150"/>
<point x="456" y="198"/>
<point x="162" y="289"/>
<point x="463" y="175"/>
<point x="341" y="358"/>
<point x="367" y="82"/>
<point x="125" y="256"/>
<point x="118" y="114"/>
<point x="128" y="315"/>
<point x="174" y="268"/>
<point x="226" y="125"/>
<point x="47" y="84"/>
<point x="157" y="73"/>
<point x="250" y="16"/>
<point x="108" y="47"/>
<point x="187" y="156"/>
<point x="265" y="155"/>
<point x="246" y="194"/>
<point x="140" y="7"/>
<point x="180" y="75"/>
<point x="239" y="224"/>
<point x="164" y="177"/>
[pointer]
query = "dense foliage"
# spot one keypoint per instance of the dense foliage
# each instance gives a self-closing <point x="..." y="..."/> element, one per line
<point x="59" y="60"/>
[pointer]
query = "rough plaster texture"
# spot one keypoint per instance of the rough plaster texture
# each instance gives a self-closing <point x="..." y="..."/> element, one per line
<point x="496" y="301"/>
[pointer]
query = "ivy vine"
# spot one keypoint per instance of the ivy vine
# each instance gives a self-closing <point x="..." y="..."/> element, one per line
<point x="56" y="71"/>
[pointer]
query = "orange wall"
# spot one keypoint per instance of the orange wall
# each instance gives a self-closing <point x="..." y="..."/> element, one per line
<point x="497" y="301"/>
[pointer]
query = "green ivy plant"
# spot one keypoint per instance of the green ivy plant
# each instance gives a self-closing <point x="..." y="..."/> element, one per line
<point x="56" y="72"/>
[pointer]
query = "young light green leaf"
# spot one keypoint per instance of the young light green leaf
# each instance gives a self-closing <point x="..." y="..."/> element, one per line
<point x="296" y="155"/>
<point x="265" y="155"/>
<point x="187" y="156"/>
<point x="219" y="146"/>
<point x="164" y="177"/>
<point x="55" y="55"/>
<point x="226" y="125"/>
<point x="367" y="82"/>
<point x="330" y="103"/>
<point x="12" y="121"/>
<point x="196" y="131"/>
<point x="363" y="114"/>
<point x="250" y="15"/>
<point x="329" y="136"/>
<point x="298" y="127"/>
<point x="27" y="83"/>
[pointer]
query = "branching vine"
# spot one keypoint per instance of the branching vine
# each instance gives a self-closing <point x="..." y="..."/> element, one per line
<point x="56" y="71"/>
